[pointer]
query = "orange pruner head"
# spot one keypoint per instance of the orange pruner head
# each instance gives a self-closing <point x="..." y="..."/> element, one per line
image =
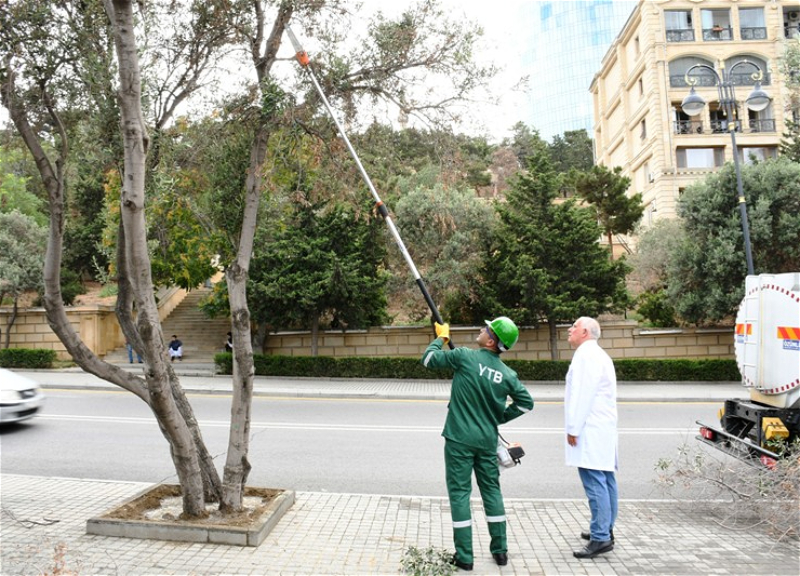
<point x="303" y="58"/>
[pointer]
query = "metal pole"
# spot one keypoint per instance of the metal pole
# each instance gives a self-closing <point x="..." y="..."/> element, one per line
<point x="302" y="57"/>
<point x="728" y="93"/>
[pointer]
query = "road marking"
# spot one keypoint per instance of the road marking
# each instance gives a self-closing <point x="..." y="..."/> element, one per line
<point x="346" y="427"/>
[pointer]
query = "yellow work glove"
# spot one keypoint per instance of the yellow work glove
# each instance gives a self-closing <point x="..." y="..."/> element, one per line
<point x="442" y="331"/>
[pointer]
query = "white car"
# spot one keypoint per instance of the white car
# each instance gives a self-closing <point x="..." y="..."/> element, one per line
<point x="20" y="397"/>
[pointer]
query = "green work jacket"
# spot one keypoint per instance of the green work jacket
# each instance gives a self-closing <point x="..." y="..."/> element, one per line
<point x="481" y="386"/>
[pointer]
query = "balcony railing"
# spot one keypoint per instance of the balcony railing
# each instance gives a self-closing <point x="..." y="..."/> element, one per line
<point x="762" y="125"/>
<point x="688" y="127"/>
<point x="707" y="80"/>
<point x="719" y="126"/>
<point x="753" y="33"/>
<point x="680" y="35"/>
<point x="717" y="33"/>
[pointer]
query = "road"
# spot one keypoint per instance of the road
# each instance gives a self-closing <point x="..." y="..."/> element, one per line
<point x="332" y="445"/>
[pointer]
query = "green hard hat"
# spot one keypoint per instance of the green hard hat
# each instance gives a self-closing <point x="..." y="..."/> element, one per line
<point x="506" y="331"/>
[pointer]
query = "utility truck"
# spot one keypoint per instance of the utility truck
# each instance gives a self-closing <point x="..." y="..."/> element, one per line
<point x="767" y="346"/>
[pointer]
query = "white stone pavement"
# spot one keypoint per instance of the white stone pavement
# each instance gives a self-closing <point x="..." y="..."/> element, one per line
<point x="42" y="531"/>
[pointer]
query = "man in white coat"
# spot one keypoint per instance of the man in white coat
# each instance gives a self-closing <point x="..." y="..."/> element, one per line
<point x="590" y="417"/>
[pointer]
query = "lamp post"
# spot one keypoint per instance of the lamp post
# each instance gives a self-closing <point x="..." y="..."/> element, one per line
<point x="758" y="100"/>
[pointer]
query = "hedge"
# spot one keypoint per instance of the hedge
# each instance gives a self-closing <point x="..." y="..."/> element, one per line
<point x="27" y="358"/>
<point x="649" y="370"/>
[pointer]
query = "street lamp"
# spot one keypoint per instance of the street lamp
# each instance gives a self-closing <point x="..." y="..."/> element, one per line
<point x="758" y="100"/>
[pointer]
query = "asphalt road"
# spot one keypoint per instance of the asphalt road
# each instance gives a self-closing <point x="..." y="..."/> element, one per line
<point x="333" y="445"/>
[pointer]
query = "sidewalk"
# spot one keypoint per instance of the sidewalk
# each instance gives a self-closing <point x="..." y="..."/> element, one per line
<point x="44" y="522"/>
<point x="44" y="519"/>
<point x="200" y="378"/>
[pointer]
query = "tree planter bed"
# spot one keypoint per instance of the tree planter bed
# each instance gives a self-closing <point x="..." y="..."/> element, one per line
<point x="153" y="514"/>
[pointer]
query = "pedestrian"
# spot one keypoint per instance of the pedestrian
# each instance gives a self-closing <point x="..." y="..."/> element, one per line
<point x="229" y="343"/>
<point x="590" y="418"/>
<point x="482" y="383"/>
<point x="130" y="353"/>
<point x="175" y="349"/>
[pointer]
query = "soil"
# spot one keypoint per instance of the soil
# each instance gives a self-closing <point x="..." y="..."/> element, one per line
<point x="90" y="298"/>
<point x="164" y="504"/>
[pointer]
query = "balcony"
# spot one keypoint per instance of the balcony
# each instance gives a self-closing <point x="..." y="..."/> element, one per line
<point x="680" y="35"/>
<point x="688" y="127"/>
<point x="717" y="34"/>
<point x="762" y="125"/>
<point x="708" y="81"/>
<point x="721" y="126"/>
<point x="753" y="33"/>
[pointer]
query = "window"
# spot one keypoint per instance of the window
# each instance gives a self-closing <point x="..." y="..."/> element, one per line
<point x="752" y="24"/>
<point x="679" y="66"/>
<point x="754" y="154"/>
<point x="716" y="25"/>
<point x="643" y="129"/>
<point x="641" y="87"/>
<point x="637" y="46"/>
<point x="700" y="157"/>
<point x="678" y="25"/>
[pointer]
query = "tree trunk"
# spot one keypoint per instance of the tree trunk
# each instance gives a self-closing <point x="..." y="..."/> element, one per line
<point x="611" y="245"/>
<point x="315" y="336"/>
<point x="10" y="321"/>
<point x="551" y="327"/>
<point x="237" y="467"/>
<point x="159" y="375"/>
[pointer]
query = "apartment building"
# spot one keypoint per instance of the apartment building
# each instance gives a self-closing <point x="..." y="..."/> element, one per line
<point x="727" y="47"/>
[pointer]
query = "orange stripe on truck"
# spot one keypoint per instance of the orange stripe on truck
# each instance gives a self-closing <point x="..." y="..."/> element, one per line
<point x="741" y="329"/>
<point x="788" y="333"/>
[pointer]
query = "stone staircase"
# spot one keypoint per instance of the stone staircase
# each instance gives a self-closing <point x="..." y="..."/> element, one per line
<point x="202" y="337"/>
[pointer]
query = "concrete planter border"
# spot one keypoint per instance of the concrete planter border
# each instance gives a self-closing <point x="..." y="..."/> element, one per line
<point x="252" y="535"/>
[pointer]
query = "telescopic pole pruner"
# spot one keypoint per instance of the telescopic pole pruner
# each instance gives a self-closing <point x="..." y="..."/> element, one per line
<point x="302" y="57"/>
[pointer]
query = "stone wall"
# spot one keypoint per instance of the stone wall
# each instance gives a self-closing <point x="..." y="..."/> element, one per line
<point x="100" y="331"/>
<point x="621" y="339"/>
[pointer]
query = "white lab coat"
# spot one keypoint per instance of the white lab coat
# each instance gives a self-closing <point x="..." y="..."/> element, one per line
<point x="590" y="409"/>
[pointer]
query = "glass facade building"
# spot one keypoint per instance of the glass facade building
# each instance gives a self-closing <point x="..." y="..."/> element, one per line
<point x="562" y="45"/>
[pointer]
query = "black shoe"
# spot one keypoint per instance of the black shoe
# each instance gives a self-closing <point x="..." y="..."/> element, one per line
<point x="458" y="563"/>
<point x="501" y="558"/>
<point x="588" y="536"/>
<point x="594" y="548"/>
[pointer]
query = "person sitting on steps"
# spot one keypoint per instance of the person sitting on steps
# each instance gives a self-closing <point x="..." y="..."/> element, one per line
<point x="175" y="349"/>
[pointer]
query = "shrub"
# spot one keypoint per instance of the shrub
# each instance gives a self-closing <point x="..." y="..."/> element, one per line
<point x="531" y="370"/>
<point x="656" y="309"/>
<point x="27" y="358"/>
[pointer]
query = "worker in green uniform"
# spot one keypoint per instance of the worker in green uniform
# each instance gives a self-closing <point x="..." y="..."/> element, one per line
<point x="481" y="387"/>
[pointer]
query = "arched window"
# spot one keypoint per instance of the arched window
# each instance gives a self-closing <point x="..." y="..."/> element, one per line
<point x="743" y="75"/>
<point x="679" y="66"/>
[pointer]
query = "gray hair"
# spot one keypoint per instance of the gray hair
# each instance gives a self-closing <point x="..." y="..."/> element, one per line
<point x="592" y="325"/>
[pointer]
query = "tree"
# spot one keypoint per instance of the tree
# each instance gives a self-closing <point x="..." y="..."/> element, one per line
<point x="789" y="66"/>
<point x="56" y="63"/>
<point x="707" y="270"/>
<point x="606" y="190"/>
<point x="526" y="143"/>
<point x="21" y="260"/>
<point x="442" y="226"/>
<point x="14" y="194"/>
<point x="544" y="262"/>
<point x="572" y="151"/>
<point x="323" y="267"/>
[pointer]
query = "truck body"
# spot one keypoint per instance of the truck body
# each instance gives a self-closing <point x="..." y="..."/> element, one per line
<point x="767" y="347"/>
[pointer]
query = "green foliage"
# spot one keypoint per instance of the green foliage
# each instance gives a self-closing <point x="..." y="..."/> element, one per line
<point x="606" y="190"/>
<point x="633" y="370"/>
<point x="789" y="66"/>
<point x="525" y="143"/>
<point x="544" y="261"/>
<point x="654" y="249"/>
<point x="572" y="151"/>
<point x="442" y="226"/>
<point x="705" y="276"/>
<point x="430" y="561"/>
<point x="71" y="286"/>
<point x="14" y="181"/>
<point x="325" y="262"/>
<point x="27" y="358"/>
<point x="22" y="244"/>
<point x="655" y="308"/>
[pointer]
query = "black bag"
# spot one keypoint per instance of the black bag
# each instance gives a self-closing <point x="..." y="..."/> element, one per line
<point x="509" y="454"/>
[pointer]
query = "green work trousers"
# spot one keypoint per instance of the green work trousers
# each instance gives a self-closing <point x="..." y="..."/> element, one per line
<point x="460" y="460"/>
